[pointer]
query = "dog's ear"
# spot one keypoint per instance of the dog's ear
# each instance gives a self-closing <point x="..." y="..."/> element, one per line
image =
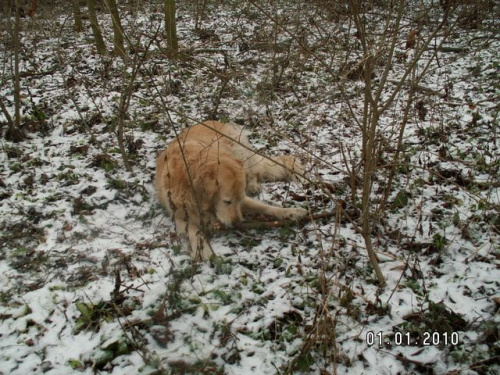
<point x="206" y="187"/>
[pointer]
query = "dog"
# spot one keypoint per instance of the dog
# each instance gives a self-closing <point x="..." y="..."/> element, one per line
<point x="206" y="175"/>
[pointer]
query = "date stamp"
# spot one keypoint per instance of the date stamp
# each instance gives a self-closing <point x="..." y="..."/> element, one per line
<point x="410" y="339"/>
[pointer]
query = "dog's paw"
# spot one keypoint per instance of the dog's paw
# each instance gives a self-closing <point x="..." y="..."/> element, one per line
<point x="253" y="189"/>
<point x="295" y="213"/>
<point x="202" y="254"/>
<point x="253" y="185"/>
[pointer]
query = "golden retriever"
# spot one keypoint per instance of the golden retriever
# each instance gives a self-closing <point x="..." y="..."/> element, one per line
<point x="204" y="175"/>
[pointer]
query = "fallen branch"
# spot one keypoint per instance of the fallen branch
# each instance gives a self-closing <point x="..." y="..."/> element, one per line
<point x="453" y="49"/>
<point x="482" y="37"/>
<point x="272" y="224"/>
<point x="425" y="365"/>
<point x="423" y="89"/>
<point x="207" y="50"/>
<point x="402" y="358"/>
<point x="38" y="74"/>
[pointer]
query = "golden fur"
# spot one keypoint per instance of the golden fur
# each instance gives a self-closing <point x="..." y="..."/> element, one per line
<point x="204" y="175"/>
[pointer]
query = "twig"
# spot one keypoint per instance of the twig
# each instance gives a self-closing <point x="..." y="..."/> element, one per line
<point x="484" y="362"/>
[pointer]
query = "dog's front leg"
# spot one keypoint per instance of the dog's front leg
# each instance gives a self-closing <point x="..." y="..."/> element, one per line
<point x="250" y="205"/>
<point x="197" y="243"/>
<point x="199" y="247"/>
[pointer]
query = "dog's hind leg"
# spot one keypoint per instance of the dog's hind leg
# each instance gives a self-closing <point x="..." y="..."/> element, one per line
<point x="281" y="168"/>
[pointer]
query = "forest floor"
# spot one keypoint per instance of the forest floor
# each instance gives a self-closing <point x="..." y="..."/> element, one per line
<point x="94" y="279"/>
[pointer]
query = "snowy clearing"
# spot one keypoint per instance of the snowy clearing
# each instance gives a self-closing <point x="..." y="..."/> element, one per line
<point x="94" y="279"/>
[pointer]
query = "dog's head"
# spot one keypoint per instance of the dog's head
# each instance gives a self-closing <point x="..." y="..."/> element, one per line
<point x="222" y="188"/>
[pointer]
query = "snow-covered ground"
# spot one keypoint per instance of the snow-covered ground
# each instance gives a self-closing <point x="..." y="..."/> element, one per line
<point x="93" y="277"/>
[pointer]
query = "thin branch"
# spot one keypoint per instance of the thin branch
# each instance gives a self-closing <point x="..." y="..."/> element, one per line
<point x="6" y="113"/>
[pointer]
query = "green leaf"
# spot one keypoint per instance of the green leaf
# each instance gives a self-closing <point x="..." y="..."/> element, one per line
<point x="85" y="309"/>
<point x="304" y="361"/>
<point x="75" y="364"/>
<point x="401" y="199"/>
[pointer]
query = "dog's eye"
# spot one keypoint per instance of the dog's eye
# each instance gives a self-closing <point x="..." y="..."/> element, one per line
<point x="228" y="202"/>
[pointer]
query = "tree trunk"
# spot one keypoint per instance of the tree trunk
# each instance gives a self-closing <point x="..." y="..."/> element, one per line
<point x="99" y="41"/>
<point x="118" y="49"/>
<point x="6" y="8"/>
<point x="17" y="82"/>
<point x="200" y="13"/>
<point x="171" y="26"/>
<point x="14" y="132"/>
<point x="78" y="26"/>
